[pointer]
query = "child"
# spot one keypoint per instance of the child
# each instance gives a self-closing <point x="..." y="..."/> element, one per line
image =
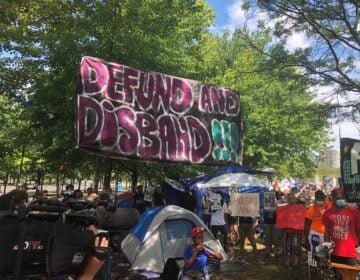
<point x="196" y="256"/>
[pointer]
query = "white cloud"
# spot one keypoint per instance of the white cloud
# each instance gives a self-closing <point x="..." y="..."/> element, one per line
<point x="297" y="40"/>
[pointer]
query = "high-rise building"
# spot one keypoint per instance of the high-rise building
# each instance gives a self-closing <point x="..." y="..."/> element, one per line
<point x="332" y="158"/>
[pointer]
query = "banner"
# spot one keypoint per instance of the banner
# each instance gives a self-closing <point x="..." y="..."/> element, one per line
<point x="270" y="201"/>
<point x="245" y="204"/>
<point x="291" y="216"/>
<point x="350" y="168"/>
<point x="127" y="113"/>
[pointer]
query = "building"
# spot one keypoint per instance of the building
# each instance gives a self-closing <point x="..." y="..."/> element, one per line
<point x="332" y="158"/>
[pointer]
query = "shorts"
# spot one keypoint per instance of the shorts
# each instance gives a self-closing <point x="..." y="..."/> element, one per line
<point x="215" y="229"/>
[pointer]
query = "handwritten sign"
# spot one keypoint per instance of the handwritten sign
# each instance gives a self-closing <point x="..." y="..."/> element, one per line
<point x="269" y="201"/>
<point x="291" y="216"/>
<point x="123" y="112"/>
<point x="245" y="204"/>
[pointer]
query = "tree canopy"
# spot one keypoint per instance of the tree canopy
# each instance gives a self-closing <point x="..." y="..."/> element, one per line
<point x="333" y="54"/>
<point x="41" y="46"/>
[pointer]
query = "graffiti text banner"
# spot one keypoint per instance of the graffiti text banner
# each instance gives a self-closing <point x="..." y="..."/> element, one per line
<point x="127" y="113"/>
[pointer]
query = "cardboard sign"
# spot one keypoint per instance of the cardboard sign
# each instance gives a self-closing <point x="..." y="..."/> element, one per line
<point x="269" y="201"/>
<point x="148" y="193"/>
<point x="245" y="204"/>
<point x="124" y="112"/>
<point x="215" y="201"/>
<point x="291" y="216"/>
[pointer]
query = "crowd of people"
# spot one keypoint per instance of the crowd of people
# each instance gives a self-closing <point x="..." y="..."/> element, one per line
<point x="327" y="219"/>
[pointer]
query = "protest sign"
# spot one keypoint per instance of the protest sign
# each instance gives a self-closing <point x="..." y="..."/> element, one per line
<point x="245" y="204"/>
<point x="269" y="201"/>
<point x="127" y="113"/>
<point x="291" y="216"/>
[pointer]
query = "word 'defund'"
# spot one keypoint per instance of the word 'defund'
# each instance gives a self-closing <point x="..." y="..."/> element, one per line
<point x="127" y="113"/>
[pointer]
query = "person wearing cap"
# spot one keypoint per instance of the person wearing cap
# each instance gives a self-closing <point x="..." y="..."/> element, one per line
<point x="342" y="226"/>
<point x="315" y="229"/>
<point x="196" y="256"/>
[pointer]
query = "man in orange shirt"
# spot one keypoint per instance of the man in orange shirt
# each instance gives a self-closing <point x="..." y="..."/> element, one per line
<point x="315" y="229"/>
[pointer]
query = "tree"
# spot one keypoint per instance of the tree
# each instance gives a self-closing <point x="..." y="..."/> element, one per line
<point x="42" y="43"/>
<point x="283" y="127"/>
<point x="332" y="59"/>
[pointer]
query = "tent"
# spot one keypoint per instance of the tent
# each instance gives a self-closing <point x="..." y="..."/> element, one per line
<point x="162" y="233"/>
<point x="239" y="180"/>
<point x="242" y="182"/>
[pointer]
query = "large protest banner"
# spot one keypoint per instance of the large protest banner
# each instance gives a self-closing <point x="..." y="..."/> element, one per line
<point x="291" y="216"/>
<point x="245" y="204"/>
<point x="350" y="168"/>
<point x="123" y="112"/>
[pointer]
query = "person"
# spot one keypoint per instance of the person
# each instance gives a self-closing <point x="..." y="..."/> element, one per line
<point x="218" y="222"/>
<point x="246" y="230"/>
<point x="196" y="256"/>
<point x="206" y="205"/>
<point x="13" y="200"/>
<point x="342" y="226"/>
<point x="314" y="230"/>
<point x="139" y="202"/>
<point x="272" y="234"/>
<point x="234" y="229"/>
<point x="187" y="200"/>
<point x="78" y="194"/>
<point x="158" y="198"/>
<point x="292" y="239"/>
<point x="94" y="263"/>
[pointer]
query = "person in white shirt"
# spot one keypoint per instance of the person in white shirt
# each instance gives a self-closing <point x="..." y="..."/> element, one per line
<point x="218" y="222"/>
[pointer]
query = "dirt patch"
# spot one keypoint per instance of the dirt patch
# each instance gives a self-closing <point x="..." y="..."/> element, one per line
<point x="260" y="268"/>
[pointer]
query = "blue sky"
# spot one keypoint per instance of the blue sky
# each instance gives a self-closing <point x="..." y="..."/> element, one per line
<point x="220" y="7"/>
<point x="229" y="15"/>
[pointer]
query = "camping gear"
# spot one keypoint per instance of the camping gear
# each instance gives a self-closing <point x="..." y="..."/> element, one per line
<point x="162" y="233"/>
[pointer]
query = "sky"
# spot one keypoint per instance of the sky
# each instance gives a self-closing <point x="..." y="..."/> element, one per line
<point x="229" y="15"/>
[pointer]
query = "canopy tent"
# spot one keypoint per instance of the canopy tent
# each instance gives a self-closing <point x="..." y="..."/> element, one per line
<point x="241" y="182"/>
<point x="162" y="233"/>
<point x="220" y="180"/>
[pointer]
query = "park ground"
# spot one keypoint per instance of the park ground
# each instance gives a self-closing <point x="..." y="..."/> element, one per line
<point x="272" y="269"/>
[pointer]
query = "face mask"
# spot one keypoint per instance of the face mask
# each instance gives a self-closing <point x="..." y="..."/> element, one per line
<point x="319" y="202"/>
<point x="340" y="203"/>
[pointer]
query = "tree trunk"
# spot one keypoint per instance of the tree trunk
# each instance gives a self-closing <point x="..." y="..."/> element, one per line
<point x="21" y="166"/>
<point x="97" y="172"/>
<point x="134" y="178"/>
<point x="5" y="182"/>
<point x="107" y="177"/>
